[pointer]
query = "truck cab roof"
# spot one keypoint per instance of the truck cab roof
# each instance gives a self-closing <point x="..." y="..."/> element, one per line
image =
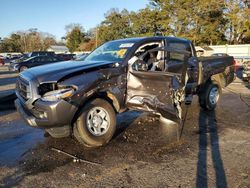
<point x="144" y="39"/>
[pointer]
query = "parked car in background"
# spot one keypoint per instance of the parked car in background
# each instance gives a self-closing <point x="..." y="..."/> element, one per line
<point x="246" y="71"/>
<point x="81" y="57"/>
<point x="32" y="54"/>
<point x="41" y="53"/>
<point x="66" y="57"/>
<point x="14" y="57"/>
<point x="9" y="57"/>
<point x="220" y="54"/>
<point x="1" y="61"/>
<point x="33" y="62"/>
<point x="20" y="59"/>
<point x="240" y="60"/>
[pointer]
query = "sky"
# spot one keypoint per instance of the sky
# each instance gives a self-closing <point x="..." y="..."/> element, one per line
<point x="53" y="15"/>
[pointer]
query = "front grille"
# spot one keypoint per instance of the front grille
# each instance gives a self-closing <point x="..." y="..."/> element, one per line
<point x="23" y="88"/>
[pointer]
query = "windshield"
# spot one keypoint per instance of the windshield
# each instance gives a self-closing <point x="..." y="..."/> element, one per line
<point x="110" y="51"/>
<point x="29" y="54"/>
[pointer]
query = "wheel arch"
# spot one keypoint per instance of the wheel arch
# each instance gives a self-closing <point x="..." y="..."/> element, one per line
<point x="220" y="79"/>
<point x="107" y="96"/>
<point x="22" y="66"/>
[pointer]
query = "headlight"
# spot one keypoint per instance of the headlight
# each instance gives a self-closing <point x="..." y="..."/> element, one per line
<point x="58" y="94"/>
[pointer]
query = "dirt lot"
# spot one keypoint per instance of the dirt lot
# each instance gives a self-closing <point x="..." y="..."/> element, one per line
<point x="214" y="150"/>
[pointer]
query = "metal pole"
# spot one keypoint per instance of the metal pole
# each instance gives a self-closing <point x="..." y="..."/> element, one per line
<point x="96" y="38"/>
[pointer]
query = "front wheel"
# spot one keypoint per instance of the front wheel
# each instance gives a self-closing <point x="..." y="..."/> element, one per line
<point x="96" y="124"/>
<point x="23" y="68"/>
<point x="210" y="95"/>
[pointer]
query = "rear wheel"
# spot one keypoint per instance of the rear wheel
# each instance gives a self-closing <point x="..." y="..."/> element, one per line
<point x="210" y="95"/>
<point x="96" y="124"/>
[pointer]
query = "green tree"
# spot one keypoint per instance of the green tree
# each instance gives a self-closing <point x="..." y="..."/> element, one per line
<point x="238" y="15"/>
<point x="11" y="44"/>
<point x="200" y="21"/>
<point x="75" y="36"/>
<point x="88" y="46"/>
<point x="210" y="23"/>
<point x="147" y="22"/>
<point x="27" y="41"/>
<point x="115" y="26"/>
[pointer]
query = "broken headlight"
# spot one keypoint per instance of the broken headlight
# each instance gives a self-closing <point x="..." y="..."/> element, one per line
<point x="58" y="94"/>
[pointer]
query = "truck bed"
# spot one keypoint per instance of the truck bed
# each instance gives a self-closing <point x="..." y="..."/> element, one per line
<point x="217" y="62"/>
<point x="215" y="65"/>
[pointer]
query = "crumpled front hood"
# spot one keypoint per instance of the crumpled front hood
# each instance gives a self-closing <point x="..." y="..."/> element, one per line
<point x="56" y="71"/>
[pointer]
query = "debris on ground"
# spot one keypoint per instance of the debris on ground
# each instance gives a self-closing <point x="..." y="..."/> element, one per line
<point x="75" y="158"/>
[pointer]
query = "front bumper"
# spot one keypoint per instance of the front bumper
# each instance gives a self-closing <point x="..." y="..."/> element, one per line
<point x="47" y="114"/>
<point x="12" y="68"/>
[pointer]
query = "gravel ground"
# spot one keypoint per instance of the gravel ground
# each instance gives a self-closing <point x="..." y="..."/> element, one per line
<point x="214" y="150"/>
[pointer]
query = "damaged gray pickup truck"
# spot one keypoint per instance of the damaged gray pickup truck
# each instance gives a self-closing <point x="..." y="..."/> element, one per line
<point x="153" y="74"/>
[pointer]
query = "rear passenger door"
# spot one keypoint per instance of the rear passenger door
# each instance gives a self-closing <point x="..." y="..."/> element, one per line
<point x="174" y="61"/>
<point x="37" y="61"/>
<point x="55" y="59"/>
<point x="47" y="60"/>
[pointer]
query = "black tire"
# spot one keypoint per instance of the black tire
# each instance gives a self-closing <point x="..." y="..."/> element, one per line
<point x="204" y="96"/>
<point x="23" y="68"/>
<point x="85" y="132"/>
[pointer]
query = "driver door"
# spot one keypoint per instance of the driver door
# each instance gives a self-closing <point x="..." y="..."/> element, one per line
<point x="160" y="92"/>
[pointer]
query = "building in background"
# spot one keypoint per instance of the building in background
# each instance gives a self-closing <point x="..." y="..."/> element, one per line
<point x="233" y="50"/>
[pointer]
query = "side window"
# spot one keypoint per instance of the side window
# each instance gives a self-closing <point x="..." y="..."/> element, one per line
<point x="175" y="60"/>
<point x="152" y="61"/>
<point x="37" y="59"/>
<point x="52" y="59"/>
<point x="179" y="46"/>
<point x="44" y="59"/>
<point x="49" y="59"/>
